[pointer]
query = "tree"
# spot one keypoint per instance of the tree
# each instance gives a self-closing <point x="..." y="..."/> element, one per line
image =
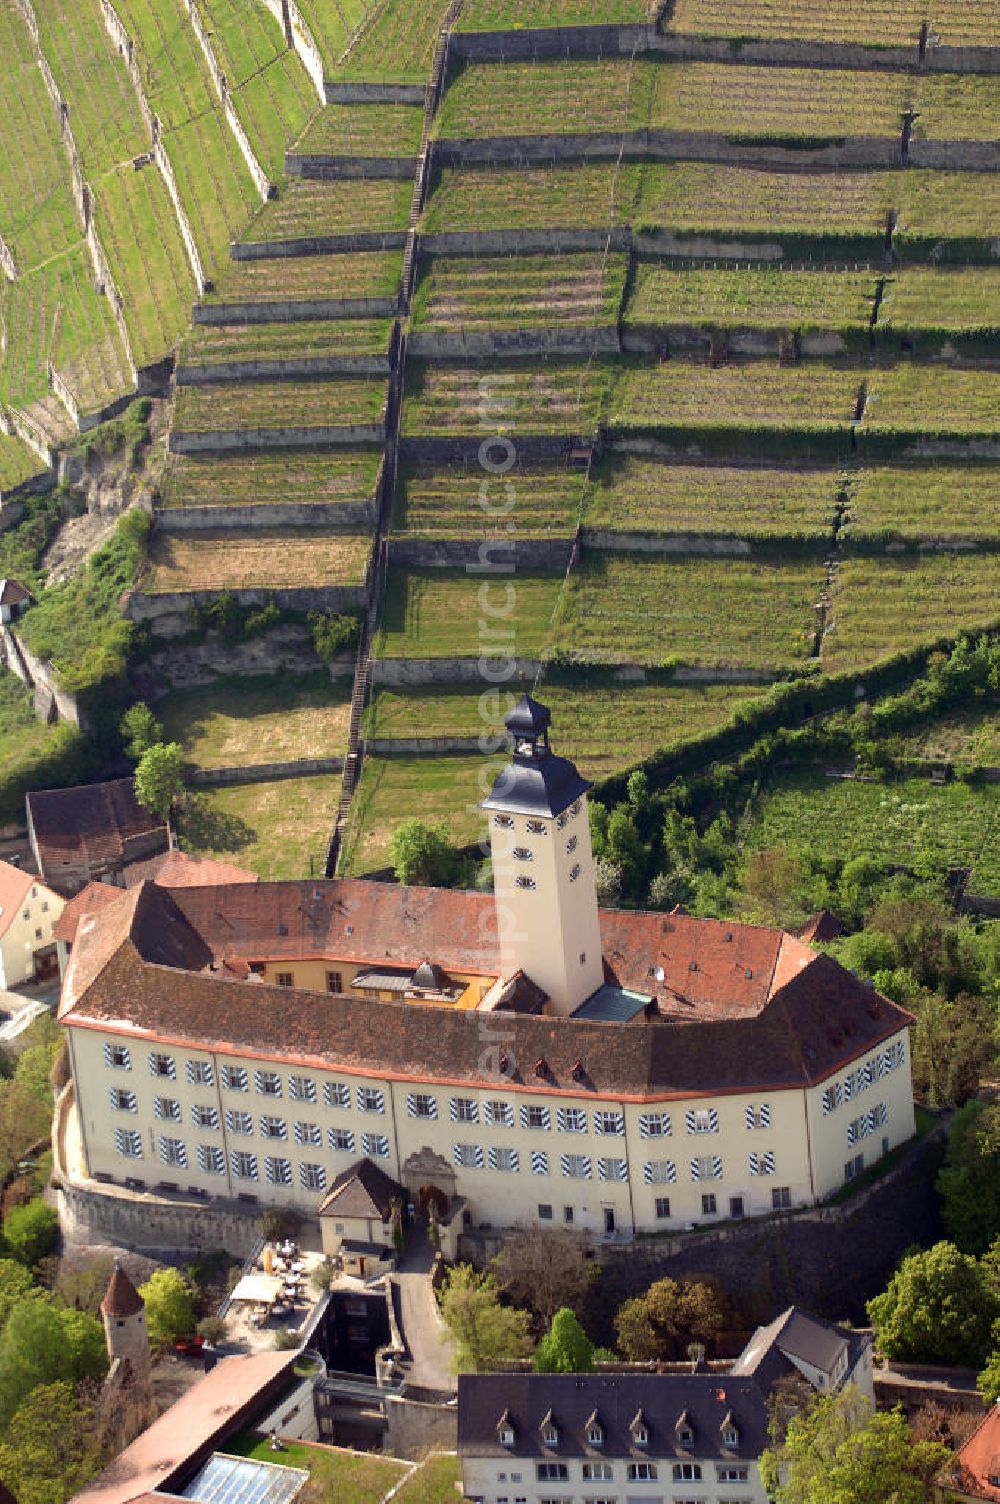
<point x="668" y="1318"/>
<point x="24" y="1119"/>
<point x="988" y="1381"/>
<point x="546" y="1268"/>
<point x="939" y="1307"/>
<point x="422" y="854"/>
<point x="41" y="1344"/>
<point x="969" y="1180"/>
<point x="33" y="1069"/>
<point x="170" y="1313"/>
<point x="16" y="1285"/>
<point x="31" y="1231"/>
<point x="841" y="1452"/>
<point x="140" y="730"/>
<point x="954" y="1042"/>
<point x="83" y="1287"/>
<point x="52" y="1447"/>
<point x="565" y="1348"/>
<point x="486" y="1333"/>
<point x="159" y="777"/>
<point x="772" y="887"/>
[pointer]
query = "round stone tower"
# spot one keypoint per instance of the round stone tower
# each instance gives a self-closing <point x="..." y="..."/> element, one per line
<point x="124" y="1315"/>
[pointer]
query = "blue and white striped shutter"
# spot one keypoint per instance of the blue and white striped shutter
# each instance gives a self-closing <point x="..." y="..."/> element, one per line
<point x="689" y="1120"/>
<point x="713" y="1120"/>
<point x="751" y="1116"/>
<point x="411" y="1104"/>
<point x="654" y="1125"/>
<point x="764" y="1115"/>
<point x="539" y="1162"/>
<point x="602" y="1123"/>
<point x="612" y="1169"/>
<point x="561" y="1119"/>
<point x="883" y="1114"/>
<point x="663" y="1172"/>
<point x="716" y="1167"/>
<point x="584" y="1161"/>
<point x="453" y="1109"/>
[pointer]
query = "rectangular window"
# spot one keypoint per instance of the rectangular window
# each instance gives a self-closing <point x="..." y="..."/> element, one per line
<point x="549" y="1471"/>
<point x="832" y="1098"/>
<point x="376" y="1145"/>
<point x="537" y="828"/>
<point x="123" y="1101"/>
<point x="337" y="1094"/>
<point x="244" y="1165"/>
<point x="268" y="1083"/>
<point x="118" y="1057"/>
<point x="239" y="1122"/>
<point x="200" y="1073"/>
<point x="709" y="1208"/>
<point x="545" y="1211"/>
<point x="420" y="1104"/>
<point x="312" y="1177"/>
<point x="506" y="1160"/>
<point x="173" y="1152"/>
<point x="234" y="1078"/>
<point x="284" y="979"/>
<point x="571" y="1119"/>
<point x="612" y="1169"/>
<point x="162" y="1065"/>
<point x="762" y="1164"/>
<point x="536" y="1117"/>
<point x="341" y="1140"/>
<point x="758" y="1116"/>
<point x="334" y="981"/>
<point x="576" y="1166"/>
<point x="609" y="1123"/>
<point x="168" y="1108"/>
<point x="641" y="1472"/>
<point x="687" y="1472"/>
<point x="854" y="1167"/>
<point x="468" y="1156"/>
<point x="702" y="1120"/>
<point x="781" y="1197"/>
<point x="211" y="1160"/>
<point x="308" y="1133"/>
<point x="597" y="1472"/>
<point x="302" y="1088"/>
<point x="277" y="1171"/>
<point x="128" y="1142"/>
<point x="370" y="1099"/>
<point x="271" y="1127"/>
<point x="659" y="1172"/>
<point x="500" y="1114"/>
<point x="662" y="1206"/>
<point x="464" y="1110"/>
<point x="204" y="1117"/>
<point x="706" y="1167"/>
<point x="654" y="1125"/>
<point x="732" y="1472"/>
<point x="525" y="882"/>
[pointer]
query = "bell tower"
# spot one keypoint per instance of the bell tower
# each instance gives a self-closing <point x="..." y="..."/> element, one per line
<point x="543" y="865"/>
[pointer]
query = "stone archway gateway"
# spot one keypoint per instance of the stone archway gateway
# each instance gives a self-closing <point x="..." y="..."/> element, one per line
<point x="424" y="1168"/>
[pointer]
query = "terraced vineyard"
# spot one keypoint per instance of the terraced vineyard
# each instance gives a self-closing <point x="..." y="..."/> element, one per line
<point x="258" y="560"/>
<point x="885" y="23"/>
<point x="298" y="476"/>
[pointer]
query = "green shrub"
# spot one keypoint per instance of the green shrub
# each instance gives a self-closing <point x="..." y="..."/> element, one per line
<point x="31" y="1231"/>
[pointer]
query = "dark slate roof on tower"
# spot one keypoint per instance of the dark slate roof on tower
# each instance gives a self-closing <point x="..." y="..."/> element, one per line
<point x="528" y="718"/>
<point x="121" y="1298"/>
<point x="535" y="781"/>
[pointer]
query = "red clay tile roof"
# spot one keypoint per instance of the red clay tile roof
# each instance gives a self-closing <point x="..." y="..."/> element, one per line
<point x="975" y="1460"/>
<point x="795" y="1020"/>
<point x="91" y="898"/>
<point x="13" y="593"/>
<point x="178" y="869"/>
<point x="121" y="1298"/>
<point x="363" y="1190"/>
<point x="95" y="820"/>
<point x="191" y="1429"/>
<point x="14" y="885"/>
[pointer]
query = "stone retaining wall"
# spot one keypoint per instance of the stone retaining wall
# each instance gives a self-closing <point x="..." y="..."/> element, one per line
<point x="523" y="242"/>
<point x="51" y="701"/>
<point x="342" y="93"/>
<point x="665" y="243"/>
<point x="8" y="266"/>
<point x="460" y="448"/>
<point x="759" y="344"/>
<point x="317" y="245"/>
<point x="663" y="543"/>
<point x="450" y="553"/>
<point x="265" y="772"/>
<point x="267" y="514"/>
<point x="229" y="440"/>
<point x="139" y="606"/>
<point x="402" y="673"/>
<point x="662" y="145"/>
<point x="316" y="165"/>
<point x="425" y="746"/>
<point x="554" y="42"/>
<point x="270" y="370"/>
<point x="286" y="649"/>
<point x="950" y="156"/>
<point x="289" y="311"/>
<point x="511" y="344"/>
<point x="221" y="85"/>
<point x="156" y="1223"/>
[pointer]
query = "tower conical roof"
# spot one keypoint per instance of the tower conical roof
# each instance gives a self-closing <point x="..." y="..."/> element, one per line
<point x="121" y="1298"/>
<point x="535" y="781"/>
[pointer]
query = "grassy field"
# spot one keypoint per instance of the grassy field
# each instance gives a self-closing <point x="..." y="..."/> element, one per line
<point x="710" y="196"/>
<point x="519" y="292"/>
<point x="37" y="217"/>
<point x="898" y="820"/>
<point x="755" y="298"/>
<point x="206" y="344"/>
<point x="304" y="279"/>
<point x="713" y="613"/>
<point x="294" y="475"/>
<point x="314" y="206"/>
<point x="909" y="398"/>
<point x="543" y="98"/>
<point x="435" y="1481"/>
<point x="884" y="23"/>
<point x="508" y="15"/>
<point x="881" y="606"/>
<point x="439" y="613"/>
<point x="25" y="744"/>
<point x="332" y="23"/>
<point x="107" y="123"/>
<point x="755" y="395"/>
<point x="926" y="503"/>
<point x="935" y="208"/>
<point x="553" y="398"/>
<point x="245" y="721"/>
<point x="445" y="790"/>
<point x="364" y="130"/>
<point x="271" y="91"/>
<point x="266" y="558"/>
<point x="958" y="106"/>
<point x="278" y="404"/>
<point x="398" y="47"/>
<point x="278" y="830"/>
<point x="816" y="103"/>
<point x="956" y="299"/>
<point x="590" y="196"/>
<point x="602" y="725"/>
<point x="346" y="1476"/>
<point x="632" y="494"/>
<point x="972" y="738"/>
<point x="17" y="463"/>
<point x="468" y="502"/>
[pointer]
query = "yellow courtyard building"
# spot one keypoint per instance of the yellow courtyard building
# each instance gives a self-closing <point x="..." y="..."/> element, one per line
<point x="539" y="1059"/>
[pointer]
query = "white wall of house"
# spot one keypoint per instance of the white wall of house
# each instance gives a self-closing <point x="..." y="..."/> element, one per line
<point x="29" y="931"/>
<point x="514" y="1480"/>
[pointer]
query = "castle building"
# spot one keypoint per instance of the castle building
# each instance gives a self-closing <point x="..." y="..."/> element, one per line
<point x="544" y="1060"/>
<point x="123" y="1313"/>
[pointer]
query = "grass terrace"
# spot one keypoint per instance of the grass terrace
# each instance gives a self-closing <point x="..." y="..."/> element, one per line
<point x="881" y="606"/>
<point x="775" y="104"/>
<point x="949" y="216"/>
<point x="398" y="47"/>
<point x="18" y="463"/>
<point x="350" y="1477"/>
<point x="446" y="791"/>
<point x="468" y="502"/>
<point x="971" y="738"/>
<point x="279" y="830"/>
<point x="281" y="718"/>
<point x="315" y="206"/>
<point x="632" y="494"/>
<point x="925" y="504"/>
<point x="332" y="23"/>
<point x="958" y="106"/>
<point x="278" y="558"/>
<point x="208" y="344"/>
<point x="436" y="613"/>
<point x="364" y="130"/>
<point x="883" y="23"/>
<point x="755" y="298"/>
<point x="909" y="398"/>
<point x="278" y="404"/>
<point x="510" y="15"/>
<point x="544" y="399"/>
<point x="713" y="613"/>
<point x="520" y="292"/>
<point x="37" y="216"/>
<point x="956" y="301"/>
<point x="603" y="726"/>
<point x="759" y="397"/>
<point x="582" y="196"/>
<point x="107" y="123"/>
<point x="437" y="1478"/>
<point x="141" y="238"/>
<point x="898" y="820"/>
<point x="305" y="279"/>
<point x="294" y="475"/>
<point x="543" y="98"/>
<point x="272" y="93"/>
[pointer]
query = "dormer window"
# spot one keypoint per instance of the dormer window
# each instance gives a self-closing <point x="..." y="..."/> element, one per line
<point x="639" y="1430"/>
<point x="730" y="1432"/>
<point x="549" y="1430"/>
<point x="505" y="1431"/>
<point x="595" y="1432"/>
<point x="683" y="1430"/>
